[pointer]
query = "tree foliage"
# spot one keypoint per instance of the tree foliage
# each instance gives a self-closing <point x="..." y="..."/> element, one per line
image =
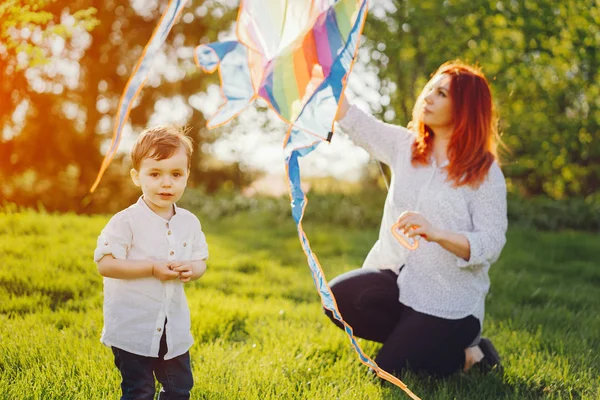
<point x="26" y="23"/>
<point x="542" y="58"/>
<point x="52" y="134"/>
<point x="64" y="64"/>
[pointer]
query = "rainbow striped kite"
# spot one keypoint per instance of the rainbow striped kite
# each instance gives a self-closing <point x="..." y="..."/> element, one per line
<point x="296" y="55"/>
<point x="293" y="54"/>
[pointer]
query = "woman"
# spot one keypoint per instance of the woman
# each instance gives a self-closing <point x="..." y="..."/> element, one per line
<point x="447" y="190"/>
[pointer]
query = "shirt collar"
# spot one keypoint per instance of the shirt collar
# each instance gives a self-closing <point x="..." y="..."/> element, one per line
<point x="142" y="204"/>
<point x="442" y="165"/>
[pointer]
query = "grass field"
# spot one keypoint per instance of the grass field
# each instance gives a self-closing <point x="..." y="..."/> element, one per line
<point x="256" y="317"/>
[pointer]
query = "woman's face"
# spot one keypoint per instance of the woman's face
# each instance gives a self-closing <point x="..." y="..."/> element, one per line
<point x="437" y="105"/>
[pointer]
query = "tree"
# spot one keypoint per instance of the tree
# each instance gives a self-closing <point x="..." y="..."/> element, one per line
<point x="52" y="154"/>
<point x="542" y="60"/>
<point x="26" y="30"/>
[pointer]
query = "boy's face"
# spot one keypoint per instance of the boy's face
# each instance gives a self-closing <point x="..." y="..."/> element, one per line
<point x="162" y="181"/>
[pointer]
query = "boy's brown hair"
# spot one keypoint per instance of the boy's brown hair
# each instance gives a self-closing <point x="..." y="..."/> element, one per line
<point x="160" y="142"/>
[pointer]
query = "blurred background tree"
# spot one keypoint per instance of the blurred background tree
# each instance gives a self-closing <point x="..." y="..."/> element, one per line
<point x="63" y="66"/>
<point x="31" y="35"/>
<point x="542" y="59"/>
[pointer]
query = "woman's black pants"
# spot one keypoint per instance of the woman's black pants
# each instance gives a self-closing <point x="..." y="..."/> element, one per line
<point x="368" y="301"/>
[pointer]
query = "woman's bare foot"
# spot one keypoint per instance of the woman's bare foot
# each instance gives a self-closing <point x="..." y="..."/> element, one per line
<point x="472" y="356"/>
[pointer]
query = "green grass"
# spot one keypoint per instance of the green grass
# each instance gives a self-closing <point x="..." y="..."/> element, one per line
<point x="256" y="317"/>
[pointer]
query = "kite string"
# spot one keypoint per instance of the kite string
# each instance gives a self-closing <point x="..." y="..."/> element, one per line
<point x="298" y="203"/>
<point x="387" y="184"/>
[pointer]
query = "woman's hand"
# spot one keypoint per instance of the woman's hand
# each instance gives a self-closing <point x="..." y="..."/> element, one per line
<point x="414" y="224"/>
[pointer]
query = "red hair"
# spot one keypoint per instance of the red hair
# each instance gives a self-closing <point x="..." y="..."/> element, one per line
<point x="472" y="146"/>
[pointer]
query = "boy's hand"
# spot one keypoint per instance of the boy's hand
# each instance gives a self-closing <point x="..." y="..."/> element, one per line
<point x="163" y="271"/>
<point x="184" y="269"/>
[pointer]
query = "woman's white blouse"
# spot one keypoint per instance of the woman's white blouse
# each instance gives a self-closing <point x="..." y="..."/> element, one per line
<point x="433" y="281"/>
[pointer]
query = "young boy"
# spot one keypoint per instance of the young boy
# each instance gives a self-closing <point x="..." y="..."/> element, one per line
<point x="146" y="253"/>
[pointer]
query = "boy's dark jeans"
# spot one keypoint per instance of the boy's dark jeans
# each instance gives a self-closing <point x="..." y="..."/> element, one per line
<point x="175" y="375"/>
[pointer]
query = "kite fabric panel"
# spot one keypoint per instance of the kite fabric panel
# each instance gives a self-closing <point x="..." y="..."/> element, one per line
<point x="296" y="56"/>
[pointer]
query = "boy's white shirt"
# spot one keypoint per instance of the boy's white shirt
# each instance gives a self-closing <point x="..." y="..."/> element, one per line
<point x="135" y="309"/>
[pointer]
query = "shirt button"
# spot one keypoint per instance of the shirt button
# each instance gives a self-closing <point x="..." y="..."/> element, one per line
<point x="106" y="243"/>
<point x="184" y="244"/>
<point x="171" y="252"/>
<point x="167" y="224"/>
<point x="168" y="233"/>
<point x="159" y="329"/>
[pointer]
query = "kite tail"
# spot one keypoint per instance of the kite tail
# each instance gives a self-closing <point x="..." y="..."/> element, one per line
<point x="298" y="203"/>
<point x="138" y="80"/>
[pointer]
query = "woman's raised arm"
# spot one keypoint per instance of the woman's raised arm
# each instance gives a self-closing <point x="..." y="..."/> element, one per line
<point x="383" y="141"/>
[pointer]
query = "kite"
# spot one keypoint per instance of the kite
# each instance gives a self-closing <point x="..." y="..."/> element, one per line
<point x="138" y="79"/>
<point x="296" y="55"/>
